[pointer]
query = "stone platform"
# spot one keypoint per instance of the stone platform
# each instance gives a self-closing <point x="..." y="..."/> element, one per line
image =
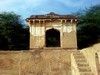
<point x="39" y="62"/>
<point x="35" y="62"/>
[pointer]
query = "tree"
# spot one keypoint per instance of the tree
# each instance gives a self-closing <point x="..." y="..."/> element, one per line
<point x="12" y="31"/>
<point x="88" y="28"/>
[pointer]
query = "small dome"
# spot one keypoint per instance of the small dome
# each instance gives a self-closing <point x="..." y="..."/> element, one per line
<point x="52" y="13"/>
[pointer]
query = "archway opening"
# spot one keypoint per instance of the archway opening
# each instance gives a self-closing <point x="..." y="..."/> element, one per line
<point x="52" y="38"/>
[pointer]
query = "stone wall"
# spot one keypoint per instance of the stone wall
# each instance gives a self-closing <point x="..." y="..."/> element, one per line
<point x="46" y="61"/>
<point x="10" y="63"/>
<point x="67" y="33"/>
<point x="35" y="62"/>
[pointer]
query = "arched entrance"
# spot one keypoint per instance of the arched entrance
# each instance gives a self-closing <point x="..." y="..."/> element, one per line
<point x="52" y="38"/>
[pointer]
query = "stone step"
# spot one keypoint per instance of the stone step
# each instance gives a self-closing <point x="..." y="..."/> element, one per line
<point x="86" y="73"/>
<point x="84" y="69"/>
<point x="79" y="55"/>
<point x="80" y="60"/>
<point x="82" y="65"/>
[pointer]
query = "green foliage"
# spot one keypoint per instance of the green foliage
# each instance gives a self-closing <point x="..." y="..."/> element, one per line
<point x="88" y="28"/>
<point x="12" y="32"/>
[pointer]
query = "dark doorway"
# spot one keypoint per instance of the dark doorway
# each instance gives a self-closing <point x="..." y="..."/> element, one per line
<point x="52" y="38"/>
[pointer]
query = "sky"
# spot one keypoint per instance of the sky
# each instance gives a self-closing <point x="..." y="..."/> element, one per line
<point x="25" y="8"/>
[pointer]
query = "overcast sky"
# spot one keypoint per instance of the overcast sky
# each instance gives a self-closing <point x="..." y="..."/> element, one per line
<point x="25" y="8"/>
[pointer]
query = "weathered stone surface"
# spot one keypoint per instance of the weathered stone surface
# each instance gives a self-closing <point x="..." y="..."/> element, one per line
<point x="9" y="63"/>
<point x="90" y="54"/>
<point x="65" y="25"/>
<point x="36" y="62"/>
<point x="48" y="62"/>
<point x="81" y="67"/>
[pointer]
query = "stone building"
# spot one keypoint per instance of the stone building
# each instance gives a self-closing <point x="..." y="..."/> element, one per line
<point x="52" y="30"/>
<point x="53" y="51"/>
